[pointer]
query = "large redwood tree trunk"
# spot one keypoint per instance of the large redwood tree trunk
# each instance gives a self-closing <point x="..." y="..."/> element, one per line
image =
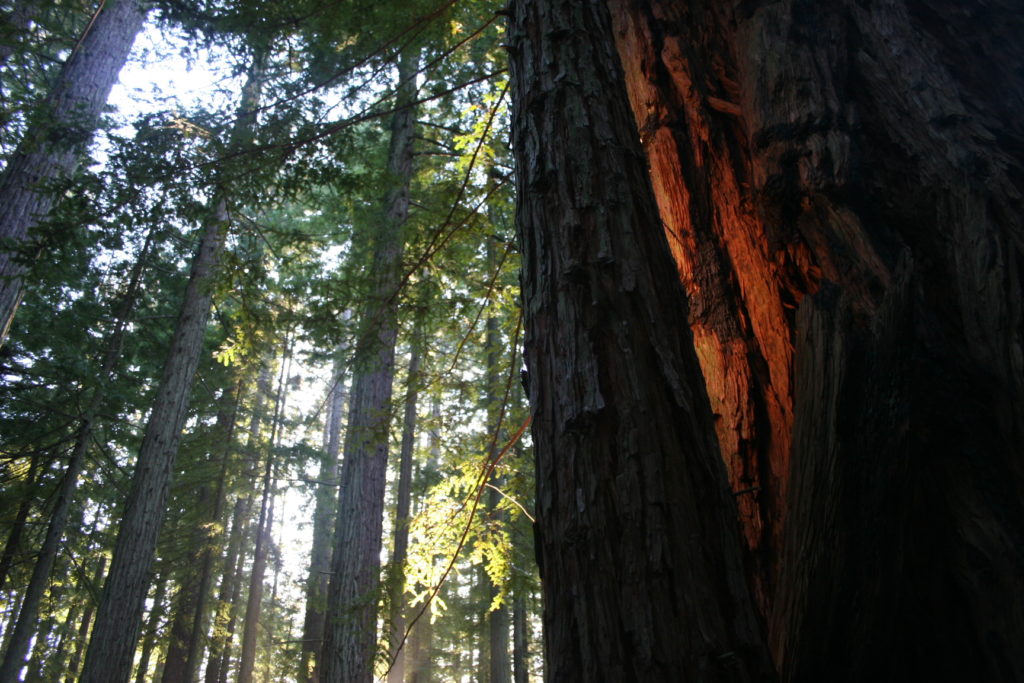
<point x="841" y="186"/>
<point x="638" y="544"/>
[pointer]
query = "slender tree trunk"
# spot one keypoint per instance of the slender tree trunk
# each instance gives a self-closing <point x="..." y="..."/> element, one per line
<point x="18" y="525"/>
<point x="57" y="138"/>
<point x="83" y="627"/>
<point x="499" y="666"/>
<point x="109" y="657"/>
<point x="320" y="555"/>
<point x="18" y="645"/>
<point x="254" y="604"/>
<point x="149" y="642"/>
<point x="187" y="626"/>
<point x="350" y="633"/>
<point x="228" y="597"/>
<point x="396" y="587"/>
<point x="638" y="544"/>
<point x="520" y="640"/>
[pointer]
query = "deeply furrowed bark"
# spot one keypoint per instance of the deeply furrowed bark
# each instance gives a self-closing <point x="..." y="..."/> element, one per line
<point x="841" y="184"/>
<point x="57" y="137"/>
<point x="638" y="545"/>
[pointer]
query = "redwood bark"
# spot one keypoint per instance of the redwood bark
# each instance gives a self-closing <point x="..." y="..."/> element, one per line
<point x="842" y="184"/>
<point x="350" y="634"/>
<point x="57" y="138"/>
<point x="638" y="545"/>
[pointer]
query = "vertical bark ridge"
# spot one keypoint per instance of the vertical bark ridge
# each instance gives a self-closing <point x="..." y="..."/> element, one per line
<point x="638" y="546"/>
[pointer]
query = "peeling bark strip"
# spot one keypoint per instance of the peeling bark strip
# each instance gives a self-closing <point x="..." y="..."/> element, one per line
<point x="638" y="545"/>
<point x="57" y="137"/>
<point x="841" y="185"/>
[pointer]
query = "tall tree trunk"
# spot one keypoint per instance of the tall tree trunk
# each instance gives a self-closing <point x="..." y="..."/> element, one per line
<point x="254" y="603"/>
<point x="638" y="544"/>
<point x="396" y="587"/>
<point x="326" y="497"/>
<point x="849" y="176"/>
<point x="187" y="630"/>
<point x="57" y="137"/>
<point x="499" y="666"/>
<point x="350" y="635"/>
<point x="112" y="646"/>
<point x="18" y="645"/>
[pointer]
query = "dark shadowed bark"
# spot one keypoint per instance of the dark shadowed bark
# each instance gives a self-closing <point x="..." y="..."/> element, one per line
<point x="842" y="184"/>
<point x="57" y="136"/>
<point x="350" y="635"/>
<point x="638" y="543"/>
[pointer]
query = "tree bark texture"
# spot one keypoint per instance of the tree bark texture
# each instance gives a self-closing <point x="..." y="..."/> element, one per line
<point x="841" y="184"/>
<point x="350" y="633"/>
<point x="638" y="545"/>
<point x="57" y="137"/>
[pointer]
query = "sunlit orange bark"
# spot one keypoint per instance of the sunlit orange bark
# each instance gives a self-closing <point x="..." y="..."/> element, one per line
<point x="841" y="184"/>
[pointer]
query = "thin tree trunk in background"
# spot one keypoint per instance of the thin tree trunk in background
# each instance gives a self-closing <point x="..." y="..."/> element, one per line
<point x="18" y="526"/>
<point x="396" y="598"/>
<point x="112" y="646"/>
<point x="320" y="555"/>
<point x="350" y="635"/>
<point x="254" y="603"/>
<point x="520" y="640"/>
<point x="637" y="541"/>
<point x="18" y="645"/>
<point x="149" y="642"/>
<point x="187" y="627"/>
<point x="228" y="597"/>
<point x="500" y="668"/>
<point x="57" y="136"/>
<point x="83" y="628"/>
